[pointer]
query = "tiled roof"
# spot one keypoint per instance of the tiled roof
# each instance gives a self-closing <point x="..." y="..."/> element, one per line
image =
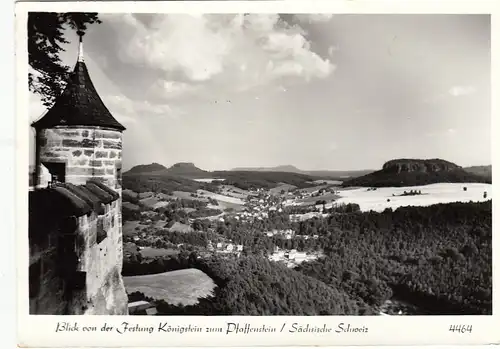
<point x="65" y="199"/>
<point x="104" y="187"/>
<point x="103" y="195"/>
<point x="79" y="105"/>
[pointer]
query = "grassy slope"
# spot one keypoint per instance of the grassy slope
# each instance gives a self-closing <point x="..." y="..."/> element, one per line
<point x="180" y="286"/>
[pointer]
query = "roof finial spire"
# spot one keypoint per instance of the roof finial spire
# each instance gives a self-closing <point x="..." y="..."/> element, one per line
<point x="80" y="47"/>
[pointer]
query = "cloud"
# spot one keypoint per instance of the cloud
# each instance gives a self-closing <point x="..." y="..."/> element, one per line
<point x="235" y="52"/>
<point x="331" y="50"/>
<point x="314" y="17"/>
<point x="457" y="91"/>
<point x="169" y="89"/>
<point x="132" y="109"/>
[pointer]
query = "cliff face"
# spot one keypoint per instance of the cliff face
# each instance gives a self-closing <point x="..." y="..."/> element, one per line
<point x="416" y="165"/>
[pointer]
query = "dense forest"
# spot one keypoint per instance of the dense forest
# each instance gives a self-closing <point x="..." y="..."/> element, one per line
<point x="252" y="285"/>
<point x="256" y="179"/>
<point x="438" y="258"/>
<point x="484" y="171"/>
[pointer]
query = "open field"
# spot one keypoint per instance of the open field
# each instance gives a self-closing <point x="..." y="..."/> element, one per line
<point x="146" y="194"/>
<point x="187" y="195"/>
<point x="130" y="206"/>
<point x="174" y="287"/>
<point x="432" y="194"/>
<point x="152" y="252"/>
<point x="181" y="228"/>
<point x="234" y="189"/>
<point x="327" y="181"/>
<point x="129" y="227"/>
<point x="282" y="186"/>
<point x="313" y="189"/>
<point x="220" y="197"/>
<point x="311" y="200"/>
<point x="207" y="180"/>
<point x="222" y="205"/>
<point x="160" y="204"/>
<point x="149" y="202"/>
<point x="224" y="201"/>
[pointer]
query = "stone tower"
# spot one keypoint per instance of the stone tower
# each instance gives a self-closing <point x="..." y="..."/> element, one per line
<point x="80" y="143"/>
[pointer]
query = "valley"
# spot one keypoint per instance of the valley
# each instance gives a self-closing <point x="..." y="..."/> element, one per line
<point x="375" y="250"/>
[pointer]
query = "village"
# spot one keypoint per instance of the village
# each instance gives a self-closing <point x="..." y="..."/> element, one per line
<point x="143" y="235"/>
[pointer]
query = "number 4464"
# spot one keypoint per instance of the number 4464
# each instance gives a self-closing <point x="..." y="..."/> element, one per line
<point x="461" y="328"/>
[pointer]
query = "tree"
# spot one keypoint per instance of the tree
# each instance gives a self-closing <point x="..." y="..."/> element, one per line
<point x="45" y="40"/>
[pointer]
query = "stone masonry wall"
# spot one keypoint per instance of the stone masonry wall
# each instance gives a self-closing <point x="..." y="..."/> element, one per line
<point x="88" y="152"/>
<point x="93" y="152"/>
<point x="102" y="261"/>
<point x="103" y="292"/>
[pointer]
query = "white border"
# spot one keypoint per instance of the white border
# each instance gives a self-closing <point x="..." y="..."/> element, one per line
<point x="408" y="330"/>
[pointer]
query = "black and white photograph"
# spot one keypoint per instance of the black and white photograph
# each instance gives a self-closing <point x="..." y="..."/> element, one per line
<point x="259" y="164"/>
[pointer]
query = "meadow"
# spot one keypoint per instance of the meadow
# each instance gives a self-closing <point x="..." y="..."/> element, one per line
<point x="174" y="287"/>
<point x="439" y="193"/>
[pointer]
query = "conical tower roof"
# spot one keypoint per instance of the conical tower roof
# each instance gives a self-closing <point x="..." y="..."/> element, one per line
<point x="79" y="104"/>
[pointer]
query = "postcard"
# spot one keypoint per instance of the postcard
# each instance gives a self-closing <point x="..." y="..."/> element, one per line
<point x="256" y="173"/>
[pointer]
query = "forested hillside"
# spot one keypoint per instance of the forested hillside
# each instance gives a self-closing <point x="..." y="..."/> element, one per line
<point x="438" y="258"/>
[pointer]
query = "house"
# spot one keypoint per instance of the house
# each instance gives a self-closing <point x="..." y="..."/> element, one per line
<point x="239" y="248"/>
<point x="300" y="257"/>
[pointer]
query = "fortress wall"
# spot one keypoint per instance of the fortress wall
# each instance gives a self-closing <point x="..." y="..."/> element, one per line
<point x="78" y="272"/>
<point x="46" y="286"/>
<point x="54" y="279"/>
<point x="102" y="261"/>
<point x="87" y="151"/>
<point x="97" y="247"/>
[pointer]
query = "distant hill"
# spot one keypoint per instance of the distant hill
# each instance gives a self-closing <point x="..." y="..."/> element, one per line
<point x="154" y="167"/>
<point x="281" y="168"/>
<point x="484" y="171"/>
<point x="261" y="179"/>
<point x="292" y="169"/>
<point x="181" y="176"/>
<point x="181" y="169"/>
<point x="409" y="172"/>
<point x="187" y="170"/>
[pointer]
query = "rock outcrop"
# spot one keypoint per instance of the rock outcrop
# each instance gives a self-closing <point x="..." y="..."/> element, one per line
<point x="416" y="165"/>
<point x="410" y="172"/>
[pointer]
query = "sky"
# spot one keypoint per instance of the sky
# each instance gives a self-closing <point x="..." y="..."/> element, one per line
<point x="317" y="91"/>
